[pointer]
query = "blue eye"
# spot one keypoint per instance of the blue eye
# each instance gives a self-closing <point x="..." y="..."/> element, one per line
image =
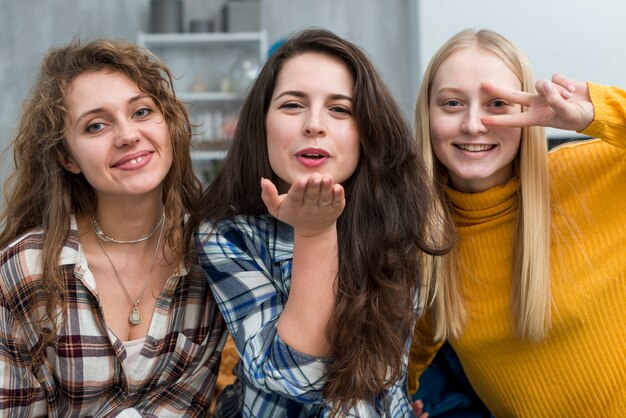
<point x="143" y="112"/>
<point x="94" y="127"/>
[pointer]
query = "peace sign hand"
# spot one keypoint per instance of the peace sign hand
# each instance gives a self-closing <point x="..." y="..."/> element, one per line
<point x="561" y="103"/>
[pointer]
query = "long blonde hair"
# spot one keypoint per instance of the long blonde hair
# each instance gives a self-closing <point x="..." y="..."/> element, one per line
<point x="531" y="292"/>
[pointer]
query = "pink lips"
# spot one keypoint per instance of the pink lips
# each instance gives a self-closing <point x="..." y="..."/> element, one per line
<point x="134" y="161"/>
<point x="312" y="157"/>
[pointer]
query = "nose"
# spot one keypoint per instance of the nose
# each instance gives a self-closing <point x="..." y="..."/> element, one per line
<point x="472" y="124"/>
<point x="126" y="133"/>
<point x="314" y="125"/>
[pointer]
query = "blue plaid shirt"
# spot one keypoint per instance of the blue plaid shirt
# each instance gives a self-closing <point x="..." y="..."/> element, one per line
<point x="248" y="260"/>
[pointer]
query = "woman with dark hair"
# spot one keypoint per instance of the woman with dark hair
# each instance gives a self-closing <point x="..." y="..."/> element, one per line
<point x="102" y="310"/>
<point x="313" y="238"/>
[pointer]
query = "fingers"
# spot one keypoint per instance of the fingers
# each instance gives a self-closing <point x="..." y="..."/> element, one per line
<point x="566" y="90"/>
<point x="578" y="89"/>
<point x="270" y="197"/>
<point x="321" y="191"/>
<point x="564" y="82"/>
<point x="554" y="97"/>
<point x="511" y="95"/>
<point x="317" y="191"/>
<point x="518" y="120"/>
<point x="418" y="408"/>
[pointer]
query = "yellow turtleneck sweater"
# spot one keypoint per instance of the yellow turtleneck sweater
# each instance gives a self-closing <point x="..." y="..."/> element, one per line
<point x="580" y="369"/>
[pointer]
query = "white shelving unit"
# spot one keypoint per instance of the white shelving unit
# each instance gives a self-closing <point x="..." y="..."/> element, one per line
<point x="212" y="73"/>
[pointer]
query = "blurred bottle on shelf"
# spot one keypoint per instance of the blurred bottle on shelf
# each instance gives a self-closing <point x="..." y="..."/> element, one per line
<point x="245" y="70"/>
<point x="166" y="16"/>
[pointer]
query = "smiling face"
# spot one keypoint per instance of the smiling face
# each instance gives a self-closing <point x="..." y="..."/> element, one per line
<point x="117" y="137"/>
<point x="310" y="127"/>
<point x="477" y="157"/>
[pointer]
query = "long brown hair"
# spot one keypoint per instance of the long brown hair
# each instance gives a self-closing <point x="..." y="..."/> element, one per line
<point x="381" y="231"/>
<point x="531" y="295"/>
<point x="40" y="193"/>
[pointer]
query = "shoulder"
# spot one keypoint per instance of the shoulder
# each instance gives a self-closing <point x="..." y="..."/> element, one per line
<point x="22" y="257"/>
<point x="244" y="236"/>
<point x="240" y="229"/>
<point x="587" y="151"/>
<point x="590" y="170"/>
<point x="21" y="261"/>
<point x="248" y="224"/>
<point x="21" y="272"/>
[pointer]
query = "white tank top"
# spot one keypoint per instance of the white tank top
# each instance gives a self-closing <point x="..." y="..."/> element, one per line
<point x="133" y="348"/>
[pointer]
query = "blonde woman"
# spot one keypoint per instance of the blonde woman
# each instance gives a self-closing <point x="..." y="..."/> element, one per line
<point x="533" y="296"/>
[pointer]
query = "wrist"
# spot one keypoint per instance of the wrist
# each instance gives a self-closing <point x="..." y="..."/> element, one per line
<point x="315" y="232"/>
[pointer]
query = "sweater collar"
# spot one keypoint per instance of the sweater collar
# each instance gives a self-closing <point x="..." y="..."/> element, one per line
<point x="473" y="208"/>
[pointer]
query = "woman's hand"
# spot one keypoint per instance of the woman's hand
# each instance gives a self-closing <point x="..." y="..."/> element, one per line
<point x="418" y="408"/>
<point x="561" y="103"/>
<point x="311" y="205"/>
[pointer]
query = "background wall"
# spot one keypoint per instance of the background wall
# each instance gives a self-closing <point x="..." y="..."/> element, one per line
<point x="28" y="28"/>
<point x="581" y="39"/>
<point x="575" y="37"/>
<point x="381" y="28"/>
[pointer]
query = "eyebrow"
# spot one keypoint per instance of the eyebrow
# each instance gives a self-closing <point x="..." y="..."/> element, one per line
<point x="101" y="109"/>
<point x="448" y="89"/>
<point x="297" y="93"/>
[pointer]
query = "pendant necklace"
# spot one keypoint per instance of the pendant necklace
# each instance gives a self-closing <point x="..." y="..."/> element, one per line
<point x="135" y="317"/>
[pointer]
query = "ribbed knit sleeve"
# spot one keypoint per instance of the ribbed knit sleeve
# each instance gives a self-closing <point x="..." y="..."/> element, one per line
<point x="609" y="114"/>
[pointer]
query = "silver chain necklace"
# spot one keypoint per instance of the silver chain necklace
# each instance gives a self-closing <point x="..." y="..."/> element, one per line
<point x="135" y="317"/>
<point x="104" y="237"/>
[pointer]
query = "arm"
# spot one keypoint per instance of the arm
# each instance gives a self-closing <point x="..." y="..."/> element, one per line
<point x="20" y="392"/>
<point x="312" y="207"/>
<point x="423" y="350"/>
<point x="249" y="277"/>
<point x="609" y="122"/>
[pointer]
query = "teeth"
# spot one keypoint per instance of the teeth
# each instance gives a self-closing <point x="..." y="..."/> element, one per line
<point x="137" y="160"/>
<point x="475" y="147"/>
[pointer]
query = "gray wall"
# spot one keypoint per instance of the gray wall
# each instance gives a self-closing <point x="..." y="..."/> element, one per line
<point x="575" y="37"/>
<point x="578" y="38"/>
<point x="28" y="28"/>
<point x="381" y="28"/>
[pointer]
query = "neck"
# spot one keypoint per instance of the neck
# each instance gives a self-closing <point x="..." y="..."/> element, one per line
<point x="125" y="223"/>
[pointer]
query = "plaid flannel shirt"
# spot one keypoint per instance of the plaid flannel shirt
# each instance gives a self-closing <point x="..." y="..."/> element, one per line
<point x="248" y="260"/>
<point x="85" y="372"/>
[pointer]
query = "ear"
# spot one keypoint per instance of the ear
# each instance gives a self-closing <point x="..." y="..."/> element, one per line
<point x="69" y="164"/>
